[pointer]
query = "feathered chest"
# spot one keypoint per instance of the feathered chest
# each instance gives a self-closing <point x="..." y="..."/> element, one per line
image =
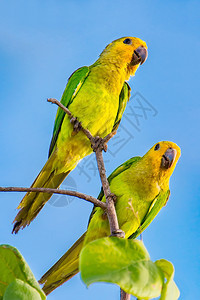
<point x="95" y="106"/>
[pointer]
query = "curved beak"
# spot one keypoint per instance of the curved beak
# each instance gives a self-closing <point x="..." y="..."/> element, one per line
<point x="168" y="158"/>
<point x="139" y="55"/>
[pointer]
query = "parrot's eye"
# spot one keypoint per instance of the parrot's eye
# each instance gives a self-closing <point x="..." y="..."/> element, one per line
<point x="127" y="41"/>
<point x="157" y="147"/>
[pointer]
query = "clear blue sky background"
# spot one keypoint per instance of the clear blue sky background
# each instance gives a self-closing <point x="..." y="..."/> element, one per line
<point x="41" y="44"/>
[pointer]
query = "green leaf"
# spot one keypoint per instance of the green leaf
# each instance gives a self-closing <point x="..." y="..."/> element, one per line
<point x="13" y="266"/>
<point x="20" y="290"/>
<point x="170" y="290"/>
<point x="123" y="262"/>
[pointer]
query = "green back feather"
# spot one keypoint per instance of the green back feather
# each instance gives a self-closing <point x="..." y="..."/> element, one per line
<point x="74" y="82"/>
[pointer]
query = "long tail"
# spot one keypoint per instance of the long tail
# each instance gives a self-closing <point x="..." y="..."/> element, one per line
<point x="33" y="202"/>
<point x="64" y="269"/>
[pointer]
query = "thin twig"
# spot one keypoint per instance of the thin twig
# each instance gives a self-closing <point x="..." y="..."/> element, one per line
<point x="109" y="136"/>
<point x="56" y="191"/>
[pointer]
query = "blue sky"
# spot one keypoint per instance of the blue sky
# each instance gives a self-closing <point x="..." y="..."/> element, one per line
<point x="41" y="44"/>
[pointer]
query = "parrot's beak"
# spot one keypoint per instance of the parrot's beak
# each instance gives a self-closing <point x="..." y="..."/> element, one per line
<point x="139" y="56"/>
<point x="168" y="158"/>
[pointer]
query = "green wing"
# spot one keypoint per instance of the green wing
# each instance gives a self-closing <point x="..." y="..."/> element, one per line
<point x="154" y="209"/>
<point x="123" y="99"/>
<point x="75" y="81"/>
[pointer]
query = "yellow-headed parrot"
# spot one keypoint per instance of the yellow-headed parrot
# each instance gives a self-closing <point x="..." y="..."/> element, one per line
<point x="141" y="185"/>
<point x="97" y="97"/>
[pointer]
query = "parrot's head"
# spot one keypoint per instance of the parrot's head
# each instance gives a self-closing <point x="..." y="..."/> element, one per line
<point x="162" y="159"/>
<point x="126" y="53"/>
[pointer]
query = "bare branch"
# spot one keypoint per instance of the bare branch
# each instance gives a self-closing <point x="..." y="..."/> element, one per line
<point x="56" y="191"/>
<point x="109" y="136"/>
<point x="66" y="110"/>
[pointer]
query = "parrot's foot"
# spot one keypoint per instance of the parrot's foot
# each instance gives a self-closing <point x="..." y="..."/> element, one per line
<point x="99" y="144"/>
<point x="118" y="233"/>
<point x="76" y="124"/>
<point x="114" y="197"/>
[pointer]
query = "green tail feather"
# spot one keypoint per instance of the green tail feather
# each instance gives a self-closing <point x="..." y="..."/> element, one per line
<point x="33" y="202"/>
<point x="64" y="269"/>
